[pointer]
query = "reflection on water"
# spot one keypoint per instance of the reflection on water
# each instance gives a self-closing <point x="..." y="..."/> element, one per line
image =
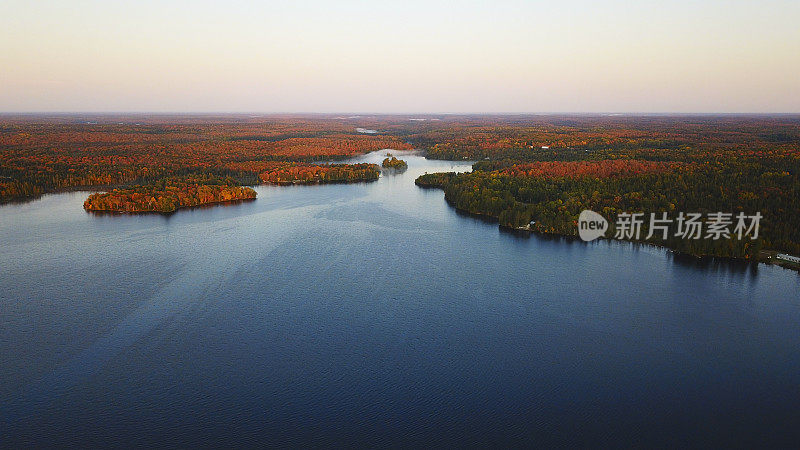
<point x="369" y="314"/>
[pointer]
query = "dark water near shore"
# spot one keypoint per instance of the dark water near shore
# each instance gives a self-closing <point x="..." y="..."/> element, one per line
<point x="374" y="314"/>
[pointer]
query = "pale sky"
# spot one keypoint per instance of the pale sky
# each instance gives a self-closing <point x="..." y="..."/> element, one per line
<point x="400" y="56"/>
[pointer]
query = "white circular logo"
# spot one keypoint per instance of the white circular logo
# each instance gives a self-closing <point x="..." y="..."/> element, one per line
<point x="591" y="225"/>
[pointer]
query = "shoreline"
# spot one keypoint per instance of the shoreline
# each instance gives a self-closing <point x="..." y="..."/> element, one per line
<point x="167" y="213"/>
<point x="766" y="257"/>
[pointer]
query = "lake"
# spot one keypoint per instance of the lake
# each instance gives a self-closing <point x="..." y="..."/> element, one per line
<point x="375" y="314"/>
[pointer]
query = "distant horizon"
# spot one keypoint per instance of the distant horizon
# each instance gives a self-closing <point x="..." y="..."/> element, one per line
<point x="376" y="113"/>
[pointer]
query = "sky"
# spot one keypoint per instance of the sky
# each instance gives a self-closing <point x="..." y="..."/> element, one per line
<point x="406" y="56"/>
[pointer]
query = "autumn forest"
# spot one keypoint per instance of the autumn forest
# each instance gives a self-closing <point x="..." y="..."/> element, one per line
<point x="531" y="172"/>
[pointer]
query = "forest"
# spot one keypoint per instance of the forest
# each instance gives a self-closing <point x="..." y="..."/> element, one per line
<point x="300" y="173"/>
<point x="49" y="154"/>
<point x="530" y="171"/>
<point x="684" y="165"/>
<point x="391" y="162"/>
<point x="169" y="194"/>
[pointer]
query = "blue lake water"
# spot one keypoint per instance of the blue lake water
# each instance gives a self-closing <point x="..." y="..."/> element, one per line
<point x="375" y="314"/>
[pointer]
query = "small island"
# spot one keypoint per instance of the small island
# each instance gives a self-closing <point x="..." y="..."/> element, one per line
<point x="169" y="194"/>
<point x="393" y="163"/>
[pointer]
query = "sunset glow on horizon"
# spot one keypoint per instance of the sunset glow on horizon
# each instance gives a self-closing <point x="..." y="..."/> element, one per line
<point x="400" y="57"/>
